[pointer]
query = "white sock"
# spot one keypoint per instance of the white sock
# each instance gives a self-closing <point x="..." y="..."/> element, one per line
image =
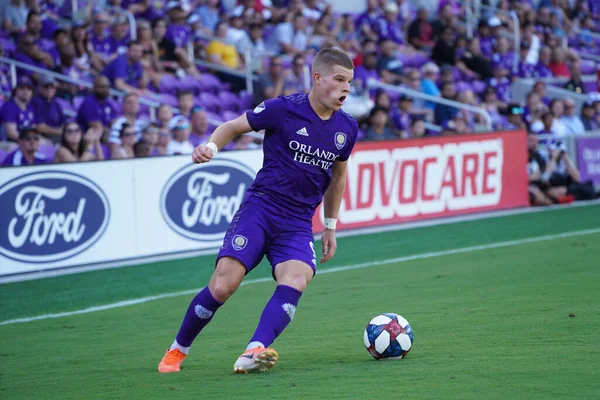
<point x="181" y="348"/>
<point x="253" y="345"/>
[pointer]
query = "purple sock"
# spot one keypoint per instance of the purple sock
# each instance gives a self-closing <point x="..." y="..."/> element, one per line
<point x="278" y="313"/>
<point x="198" y="315"/>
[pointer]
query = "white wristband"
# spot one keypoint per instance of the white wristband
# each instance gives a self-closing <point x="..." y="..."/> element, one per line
<point x="330" y="223"/>
<point x="213" y="147"/>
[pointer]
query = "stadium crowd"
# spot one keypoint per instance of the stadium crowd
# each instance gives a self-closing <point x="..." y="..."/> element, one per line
<point x="168" y="103"/>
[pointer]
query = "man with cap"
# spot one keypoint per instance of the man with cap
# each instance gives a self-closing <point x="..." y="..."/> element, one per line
<point x="48" y="111"/>
<point x="119" y="35"/>
<point x="588" y="116"/>
<point x="514" y="117"/>
<point x="18" y="113"/>
<point x="180" y="133"/>
<point x="100" y="41"/>
<point x="26" y="153"/>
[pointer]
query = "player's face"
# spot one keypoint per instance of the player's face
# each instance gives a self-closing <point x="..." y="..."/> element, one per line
<point x="334" y="87"/>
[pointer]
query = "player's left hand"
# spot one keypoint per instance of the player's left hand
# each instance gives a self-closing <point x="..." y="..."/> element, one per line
<point x="329" y="245"/>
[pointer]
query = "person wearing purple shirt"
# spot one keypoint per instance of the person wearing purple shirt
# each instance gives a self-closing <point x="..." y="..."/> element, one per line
<point x="97" y="110"/>
<point x="125" y="72"/>
<point x="99" y="40"/>
<point x="503" y="59"/>
<point x="199" y="130"/>
<point x="27" y="152"/>
<point x="18" y="113"/>
<point x="119" y="38"/>
<point x="368" y="70"/>
<point x="367" y="21"/>
<point x="387" y="26"/>
<point x="308" y="140"/>
<point x="48" y="111"/>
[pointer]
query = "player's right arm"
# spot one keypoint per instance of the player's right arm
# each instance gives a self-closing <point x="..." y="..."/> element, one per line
<point x="268" y="115"/>
<point x="224" y="134"/>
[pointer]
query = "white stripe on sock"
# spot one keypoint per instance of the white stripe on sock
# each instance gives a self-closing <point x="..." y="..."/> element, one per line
<point x="253" y="345"/>
<point x="181" y="348"/>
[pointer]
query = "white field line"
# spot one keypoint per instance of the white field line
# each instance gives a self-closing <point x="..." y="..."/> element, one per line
<point x="370" y="264"/>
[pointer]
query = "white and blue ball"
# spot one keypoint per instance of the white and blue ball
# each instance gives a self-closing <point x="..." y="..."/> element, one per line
<point x="388" y="335"/>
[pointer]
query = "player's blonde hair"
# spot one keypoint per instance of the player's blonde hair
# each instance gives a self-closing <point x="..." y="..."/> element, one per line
<point x="326" y="59"/>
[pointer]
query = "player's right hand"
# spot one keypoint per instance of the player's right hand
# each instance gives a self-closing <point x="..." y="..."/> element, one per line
<point x="202" y="154"/>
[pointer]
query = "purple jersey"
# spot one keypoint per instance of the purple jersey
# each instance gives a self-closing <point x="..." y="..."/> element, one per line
<point x="12" y="113"/>
<point x="368" y="18"/>
<point x="487" y="44"/>
<point x="362" y="74"/>
<point x="92" y="110"/>
<point x="526" y="70"/>
<point x="48" y="113"/>
<point x="504" y="61"/>
<point x="118" y="46"/>
<point x="542" y="71"/>
<point x="101" y="45"/>
<point x="179" y="34"/>
<point x="120" y="68"/>
<point x="503" y="89"/>
<point x="299" y="151"/>
<point x="387" y="30"/>
<point x="17" y="158"/>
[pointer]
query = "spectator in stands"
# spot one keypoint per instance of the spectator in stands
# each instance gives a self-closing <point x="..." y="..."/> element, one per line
<point x="222" y="53"/>
<point x="575" y="84"/>
<point x="388" y="26"/>
<point x="180" y="133"/>
<point x="127" y="137"/>
<point x="164" y="137"/>
<point x="97" y="110"/>
<point x="401" y="117"/>
<point x="150" y="135"/>
<point x="150" y="61"/>
<point x="448" y="128"/>
<point x="417" y="128"/>
<point x="502" y="85"/>
<point x="558" y="65"/>
<point x="430" y="74"/>
<point x="126" y="73"/>
<point x="367" y="71"/>
<point x="72" y="146"/>
<point x="28" y="52"/>
<point x="503" y="59"/>
<point x="209" y="14"/>
<point x="525" y="70"/>
<point x="590" y="122"/>
<point x="348" y="37"/>
<point x="572" y="123"/>
<point x="514" y="116"/>
<point x="367" y="21"/>
<point x="18" y="112"/>
<point x="82" y="58"/>
<point x="389" y="67"/>
<point x="377" y="127"/>
<point x="256" y="47"/>
<point x="557" y="109"/>
<point x="179" y="33"/>
<point x="100" y="44"/>
<point x="27" y="152"/>
<point x="34" y="28"/>
<point x="164" y="113"/>
<point x="185" y="102"/>
<point x="542" y="68"/>
<point x="445" y="112"/>
<point x="48" y="111"/>
<point x="199" y="132"/>
<point x="475" y="62"/>
<point x="445" y="19"/>
<point x="131" y="116"/>
<point x="444" y="52"/>
<point x="119" y="35"/>
<point x="244" y="142"/>
<point x="14" y="16"/>
<point x="289" y="38"/>
<point x="420" y="32"/>
<point x="166" y="48"/>
<point x="270" y="84"/>
<point x="536" y="166"/>
<point x="296" y="80"/>
<point x="539" y="88"/>
<point x="142" y="149"/>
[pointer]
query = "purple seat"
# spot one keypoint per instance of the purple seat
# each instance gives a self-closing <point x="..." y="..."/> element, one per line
<point x="246" y="99"/>
<point x="209" y="83"/>
<point x="168" y="84"/>
<point x="229" y="115"/>
<point x="230" y="102"/>
<point x="216" y="119"/>
<point x="463" y="86"/>
<point x="191" y="83"/>
<point x="8" y="45"/>
<point x="588" y="67"/>
<point x="209" y="101"/>
<point x="168" y="99"/>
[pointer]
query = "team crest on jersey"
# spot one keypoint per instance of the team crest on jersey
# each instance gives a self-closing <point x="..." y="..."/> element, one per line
<point x="340" y="140"/>
<point x="239" y="242"/>
<point x="260" y="108"/>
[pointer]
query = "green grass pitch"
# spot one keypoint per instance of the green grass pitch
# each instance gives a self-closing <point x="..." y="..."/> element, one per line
<point x="513" y="322"/>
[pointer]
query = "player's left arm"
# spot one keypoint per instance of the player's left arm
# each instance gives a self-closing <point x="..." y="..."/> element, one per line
<point x="331" y="205"/>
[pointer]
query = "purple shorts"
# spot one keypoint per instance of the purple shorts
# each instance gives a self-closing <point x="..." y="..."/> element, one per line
<point x="255" y="232"/>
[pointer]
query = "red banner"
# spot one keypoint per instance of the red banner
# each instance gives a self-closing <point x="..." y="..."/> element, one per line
<point x="408" y="180"/>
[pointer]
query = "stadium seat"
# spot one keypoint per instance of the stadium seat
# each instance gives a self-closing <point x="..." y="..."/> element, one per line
<point x="48" y="150"/>
<point x="209" y="101"/>
<point x="229" y="115"/>
<point x="209" y="83"/>
<point x="230" y="102"/>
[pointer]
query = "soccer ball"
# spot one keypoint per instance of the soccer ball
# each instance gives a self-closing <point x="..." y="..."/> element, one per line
<point x="388" y="335"/>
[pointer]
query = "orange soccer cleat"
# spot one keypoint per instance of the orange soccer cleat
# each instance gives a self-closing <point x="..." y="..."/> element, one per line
<point x="171" y="362"/>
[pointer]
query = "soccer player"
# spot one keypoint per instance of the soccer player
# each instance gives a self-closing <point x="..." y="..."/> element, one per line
<point x="308" y="141"/>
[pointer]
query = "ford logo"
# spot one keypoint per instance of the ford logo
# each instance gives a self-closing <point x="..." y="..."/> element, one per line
<point x="200" y="202"/>
<point x="50" y="216"/>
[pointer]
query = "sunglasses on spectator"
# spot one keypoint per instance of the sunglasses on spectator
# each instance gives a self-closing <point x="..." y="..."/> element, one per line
<point x="34" y="138"/>
<point x="181" y="127"/>
<point x="197" y="108"/>
<point x="73" y="130"/>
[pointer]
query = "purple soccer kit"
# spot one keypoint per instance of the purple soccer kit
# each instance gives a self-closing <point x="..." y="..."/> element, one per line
<point x="275" y="218"/>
